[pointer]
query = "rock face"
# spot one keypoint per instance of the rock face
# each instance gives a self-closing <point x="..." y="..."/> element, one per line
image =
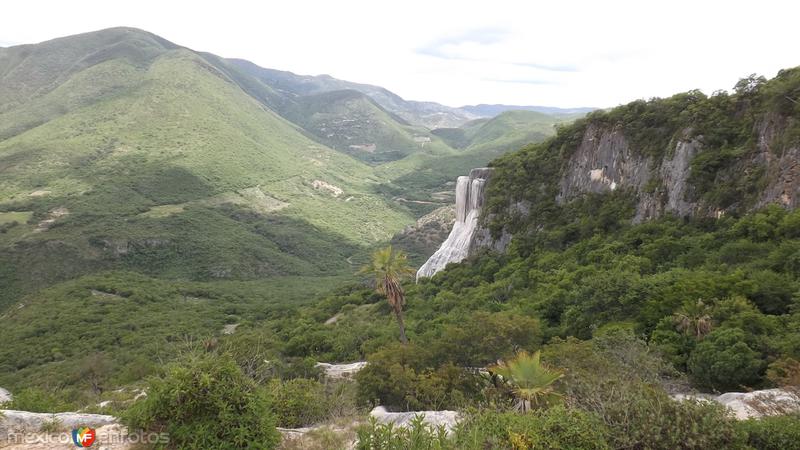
<point x="470" y="193"/>
<point x="446" y="419"/>
<point x="605" y="161"/>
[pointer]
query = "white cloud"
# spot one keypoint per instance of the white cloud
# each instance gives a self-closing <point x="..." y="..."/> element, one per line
<point x="566" y="53"/>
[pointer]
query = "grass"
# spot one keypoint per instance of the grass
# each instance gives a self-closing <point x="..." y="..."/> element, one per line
<point x="15" y="216"/>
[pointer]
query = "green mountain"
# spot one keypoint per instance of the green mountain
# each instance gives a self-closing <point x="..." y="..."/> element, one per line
<point x="427" y="114"/>
<point x="484" y="110"/>
<point x="426" y="182"/>
<point x="165" y="193"/>
<point x="144" y="156"/>
<point x="353" y="123"/>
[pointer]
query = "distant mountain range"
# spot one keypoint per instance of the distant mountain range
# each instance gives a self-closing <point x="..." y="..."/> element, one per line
<point x="484" y="110"/>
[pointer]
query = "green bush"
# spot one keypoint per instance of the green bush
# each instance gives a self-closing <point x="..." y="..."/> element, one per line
<point x="617" y="377"/>
<point x="298" y="402"/>
<point x="39" y="400"/>
<point x="206" y="403"/>
<point x="773" y="433"/>
<point x="418" y="436"/>
<point x="724" y="361"/>
<point x="555" y="428"/>
<point x="399" y="378"/>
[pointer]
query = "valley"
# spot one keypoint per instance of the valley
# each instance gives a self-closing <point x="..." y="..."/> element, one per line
<point x="202" y="246"/>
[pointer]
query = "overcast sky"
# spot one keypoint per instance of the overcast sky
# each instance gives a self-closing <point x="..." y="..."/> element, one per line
<point x="557" y="53"/>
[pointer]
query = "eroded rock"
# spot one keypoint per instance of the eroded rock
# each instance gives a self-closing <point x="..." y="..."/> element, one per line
<point x="339" y="371"/>
<point x="446" y="419"/>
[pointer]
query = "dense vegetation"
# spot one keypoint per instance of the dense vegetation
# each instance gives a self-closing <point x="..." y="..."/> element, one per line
<point x="641" y="278"/>
<point x="204" y="276"/>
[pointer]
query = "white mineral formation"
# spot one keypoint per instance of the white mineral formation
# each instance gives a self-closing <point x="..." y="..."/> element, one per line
<point x="469" y="201"/>
<point x="746" y="405"/>
<point x="338" y="371"/>
<point x="446" y="419"/>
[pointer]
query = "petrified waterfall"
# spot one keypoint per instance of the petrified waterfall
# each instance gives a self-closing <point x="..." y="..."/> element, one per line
<point x="469" y="200"/>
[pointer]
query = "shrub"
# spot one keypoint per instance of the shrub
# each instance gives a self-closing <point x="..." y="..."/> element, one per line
<point x="417" y="436"/>
<point x="206" y="403"/>
<point x="397" y="377"/>
<point x="554" y="428"/>
<point x="39" y="400"/>
<point x="616" y="376"/>
<point x="482" y="337"/>
<point x="298" y="402"/>
<point x="724" y="361"/>
<point x="773" y="433"/>
<point x="51" y="425"/>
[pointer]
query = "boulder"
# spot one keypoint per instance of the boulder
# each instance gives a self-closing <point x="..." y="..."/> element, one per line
<point x="446" y="419"/>
<point x="746" y="405"/>
<point x="339" y="371"/>
<point x="5" y="396"/>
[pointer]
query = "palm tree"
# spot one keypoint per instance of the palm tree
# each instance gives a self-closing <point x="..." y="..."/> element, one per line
<point x="532" y="381"/>
<point x="694" y="318"/>
<point x="388" y="268"/>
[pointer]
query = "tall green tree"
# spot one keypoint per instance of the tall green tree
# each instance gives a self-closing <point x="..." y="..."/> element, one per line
<point x="388" y="268"/>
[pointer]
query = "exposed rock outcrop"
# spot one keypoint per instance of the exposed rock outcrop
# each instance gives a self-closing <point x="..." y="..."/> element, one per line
<point x="5" y="396"/>
<point x="605" y="161"/>
<point x="470" y="193"/>
<point x="339" y="371"/>
<point x="24" y="421"/>
<point x="746" y="405"/>
<point x="446" y="419"/>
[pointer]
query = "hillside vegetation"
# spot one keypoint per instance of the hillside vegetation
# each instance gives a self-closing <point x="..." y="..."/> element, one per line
<point x="153" y="197"/>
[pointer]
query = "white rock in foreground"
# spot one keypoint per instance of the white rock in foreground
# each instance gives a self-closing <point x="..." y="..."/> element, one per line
<point x="447" y="419"/>
<point x="339" y="371"/>
<point x="108" y="435"/>
<point x="5" y="396"/>
<point x="746" y="405"/>
<point x="31" y="422"/>
<point x="757" y="403"/>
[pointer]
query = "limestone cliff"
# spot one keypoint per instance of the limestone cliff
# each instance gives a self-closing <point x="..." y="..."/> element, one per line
<point x="605" y="161"/>
<point x="689" y="155"/>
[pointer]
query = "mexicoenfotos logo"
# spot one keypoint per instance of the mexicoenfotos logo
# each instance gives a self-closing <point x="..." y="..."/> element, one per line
<point x="84" y="437"/>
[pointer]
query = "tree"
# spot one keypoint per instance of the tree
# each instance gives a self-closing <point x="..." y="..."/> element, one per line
<point x="388" y="268"/>
<point x="532" y="381"/>
<point x="694" y="319"/>
<point x="724" y="361"/>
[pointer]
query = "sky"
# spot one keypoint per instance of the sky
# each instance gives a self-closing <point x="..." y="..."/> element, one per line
<point x="562" y="53"/>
